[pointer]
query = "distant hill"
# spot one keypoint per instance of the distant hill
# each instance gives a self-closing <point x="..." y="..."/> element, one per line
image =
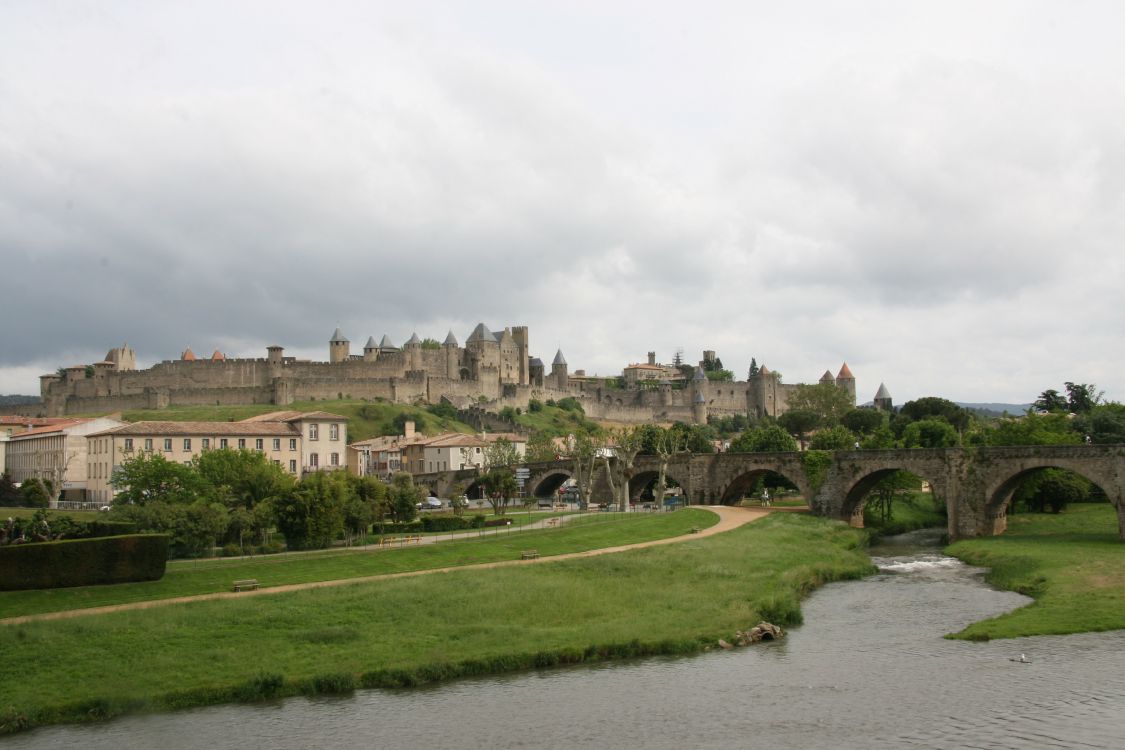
<point x="15" y="400"/>
<point x="996" y="410"/>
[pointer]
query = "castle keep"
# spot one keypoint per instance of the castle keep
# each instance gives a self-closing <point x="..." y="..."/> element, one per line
<point x="491" y="371"/>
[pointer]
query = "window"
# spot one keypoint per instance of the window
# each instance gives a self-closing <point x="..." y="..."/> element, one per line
<point x="222" y="442"/>
<point x="241" y="443"/>
<point x="292" y="466"/>
<point x="333" y="432"/>
<point x="128" y="444"/>
<point x="206" y="443"/>
<point x="314" y="432"/>
<point x="277" y="444"/>
<point x="259" y="444"/>
<point x="187" y="444"/>
<point x="148" y="444"/>
<point x="335" y="459"/>
<point x="292" y="444"/>
<point x="276" y="462"/>
<point x="168" y="444"/>
<point x="314" y="460"/>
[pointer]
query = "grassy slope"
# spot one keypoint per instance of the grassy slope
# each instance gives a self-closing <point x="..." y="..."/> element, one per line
<point x="1072" y="564"/>
<point x="553" y="421"/>
<point x="674" y="598"/>
<point x="186" y="578"/>
<point x="365" y="419"/>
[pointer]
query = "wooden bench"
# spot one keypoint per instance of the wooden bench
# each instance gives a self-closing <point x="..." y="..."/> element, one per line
<point x="529" y="554"/>
<point x="553" y="522"/>
<point x="248" y="585"/>
<point x="695" y="529"/>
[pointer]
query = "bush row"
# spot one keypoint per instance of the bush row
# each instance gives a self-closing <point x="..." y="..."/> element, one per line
<point x="436" y="523"/>
<point x="83" y="562"/>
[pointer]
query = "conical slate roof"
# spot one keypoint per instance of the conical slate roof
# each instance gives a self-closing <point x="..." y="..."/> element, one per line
<point x="827" y="377"/>
<point x="559" y="358"/>
<point x="481" y="333"/>
<point x="535" y="362"/>
<point x="450" y="340"/>
<point x="763" y="370"/>
<point x="370" y="343"/>
<point x="338" y="338"/>
<point x="699" y="399"/>
<point x="845" y="373"/>
<point x="882" y="393"/>
<point x="699" y="375"/>
<point x="414" y="339"/>
<point x="386" y="343"/>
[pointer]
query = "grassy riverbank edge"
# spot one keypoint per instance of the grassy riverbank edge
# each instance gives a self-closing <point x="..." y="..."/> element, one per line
<point x="755" y="572"/>
<point x="1071" y="564"/>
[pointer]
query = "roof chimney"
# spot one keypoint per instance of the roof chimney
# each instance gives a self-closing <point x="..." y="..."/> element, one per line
<point x="408" y="430"/>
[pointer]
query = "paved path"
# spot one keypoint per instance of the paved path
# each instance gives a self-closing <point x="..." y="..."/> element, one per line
<point x="729" y="518"/>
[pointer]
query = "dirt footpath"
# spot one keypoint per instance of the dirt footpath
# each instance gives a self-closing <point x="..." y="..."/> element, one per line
<point x="729" y="518"/>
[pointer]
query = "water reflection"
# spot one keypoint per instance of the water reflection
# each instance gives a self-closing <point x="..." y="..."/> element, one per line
<point x="870" y="669"/>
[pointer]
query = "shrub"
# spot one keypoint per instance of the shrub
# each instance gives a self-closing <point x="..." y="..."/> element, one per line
<point x="231" y="550"/>
<point x="272" y="548"/>
<point x="534" y="405"/>
<point x="83" y="562"/>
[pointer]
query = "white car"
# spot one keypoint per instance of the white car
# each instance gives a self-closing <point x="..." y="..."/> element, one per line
<point x="430" y="503"/>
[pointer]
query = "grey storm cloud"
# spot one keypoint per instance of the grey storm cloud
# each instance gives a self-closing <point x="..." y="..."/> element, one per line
<point x="800" y="185"/>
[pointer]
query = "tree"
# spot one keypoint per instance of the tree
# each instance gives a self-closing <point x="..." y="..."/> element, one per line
<point x="1105" y="423"/>
<point x="9" y="493"/>
<point x="667" y="444"/>
<point x="312" y="514"/>
<point x="1052" y="489"/>
<point x="241" y="478"/>
<point x="881" y="499"/>
<point x="754" y="369"/>
<point x="500" y="486"/>
<point x="428" y="343"/>
<point x="1050" y="400"/>
<point x="929" y="433"/>
<point x="34" y="493"/>
<point x="583" y="451"/>
<point x="1081" y="397"/>
<point x="149" y="477"/>
<point x="826" y="400"/>
<point x="625" y="444"/>
<point x="767" y="439"/>
<point x="720" y="376"/>
<point x="1033" y="429"/>
<point x="836" y="438"/>
<point x="935" y="407"/>
<point x="374" y="493"/>
<point x="404" y="497"/>
<point x="541" y="447"/>
<point x="863" y="421"/>
<point x="799" y="422"/>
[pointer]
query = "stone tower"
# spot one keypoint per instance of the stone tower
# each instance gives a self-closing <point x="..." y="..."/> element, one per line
<point x="559" y="371"/>
<point x="827" y="379"/>
<point x="370" y="350"/>
<point x="413" y="349"/>
<point x="846" y="381"/>
<point x="699" y="408"/>
<point x="275" y="354"/>
<point x="452" y="357"/>
<point x="519" y="333"/>
<point x="338" y="347"/>
<point x="883" y="399"/>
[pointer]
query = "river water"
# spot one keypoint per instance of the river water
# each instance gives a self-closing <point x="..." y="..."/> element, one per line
<point x="869" y="669"/>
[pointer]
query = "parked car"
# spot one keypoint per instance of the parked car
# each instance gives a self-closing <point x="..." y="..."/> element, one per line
<point x="430" y="503"/>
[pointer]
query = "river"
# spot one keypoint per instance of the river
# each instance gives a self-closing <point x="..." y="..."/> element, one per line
<point x="869" y="669"/>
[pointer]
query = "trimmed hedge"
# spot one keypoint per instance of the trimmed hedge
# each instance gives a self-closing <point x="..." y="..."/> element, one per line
<point x="83" y="562"/>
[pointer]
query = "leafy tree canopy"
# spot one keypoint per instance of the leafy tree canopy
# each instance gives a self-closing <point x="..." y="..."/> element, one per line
<point x="836" y="438"/>
<point x="766" y="439"/>
<point x="1033" y="429"/>
<point x="824" y="399"/>
<point x="929" y="433"/>
<point x="147" y="477"/>
<point x="933" y="407"/>
<point x="863" y="421"/>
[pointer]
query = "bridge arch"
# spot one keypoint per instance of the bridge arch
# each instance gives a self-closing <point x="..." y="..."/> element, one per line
<point x="548" y="483"/>
<point x="737" y="487"/>
<point x="857" y="495"/>
<point x="645" y="479"/>
<point x="1000" y="491"/>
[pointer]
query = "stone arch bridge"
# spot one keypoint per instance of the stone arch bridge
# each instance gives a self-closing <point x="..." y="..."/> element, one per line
<point x="975" y="483"/>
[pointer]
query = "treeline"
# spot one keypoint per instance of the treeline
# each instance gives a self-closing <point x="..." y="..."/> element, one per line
<point x="239" y="499"/>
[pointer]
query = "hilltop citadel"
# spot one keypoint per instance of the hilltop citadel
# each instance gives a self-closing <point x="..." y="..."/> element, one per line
<point x="491" y="371"/>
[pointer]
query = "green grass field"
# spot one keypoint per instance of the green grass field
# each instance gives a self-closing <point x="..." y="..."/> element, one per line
<point x="1072" y="564"/>
<point x="671" y="599"/>
<point x="189" y="577"/>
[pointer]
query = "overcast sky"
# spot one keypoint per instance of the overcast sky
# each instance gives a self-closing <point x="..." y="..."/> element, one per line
<point x="933" y="192"/>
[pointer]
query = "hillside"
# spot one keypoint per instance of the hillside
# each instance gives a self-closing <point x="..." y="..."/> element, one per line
<point x="365" y="419"/>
